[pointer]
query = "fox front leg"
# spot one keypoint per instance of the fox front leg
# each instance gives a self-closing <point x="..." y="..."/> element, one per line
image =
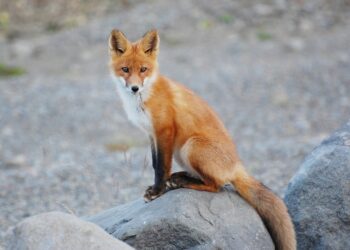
<point x="158" y="187"/>
<point x="161" y="161"/>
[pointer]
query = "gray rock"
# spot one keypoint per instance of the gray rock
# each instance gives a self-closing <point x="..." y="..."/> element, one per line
<point x="56" y="230"/>
<point x="187" y="219"/>
<point x="318" y="197"/>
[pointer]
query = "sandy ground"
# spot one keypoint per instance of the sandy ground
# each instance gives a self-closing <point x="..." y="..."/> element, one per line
<point x="280" y="80"/>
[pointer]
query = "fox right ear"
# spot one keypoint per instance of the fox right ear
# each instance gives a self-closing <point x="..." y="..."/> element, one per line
<point x="150" y="42"/>
<point x="118" y="43"/>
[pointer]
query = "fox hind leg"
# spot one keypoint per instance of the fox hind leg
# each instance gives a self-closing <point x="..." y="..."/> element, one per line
<point x="185" y="180"/>
<point x="178" y="179"/>
<point x="206" y="159"/>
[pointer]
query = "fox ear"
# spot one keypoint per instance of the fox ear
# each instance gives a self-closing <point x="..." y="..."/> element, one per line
<point x="150" y="42"/>
<point x="118" y="43"/>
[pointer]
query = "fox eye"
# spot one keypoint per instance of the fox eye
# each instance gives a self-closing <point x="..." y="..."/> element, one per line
<point x="143" y="69"/>
<point x="125" y="69"/>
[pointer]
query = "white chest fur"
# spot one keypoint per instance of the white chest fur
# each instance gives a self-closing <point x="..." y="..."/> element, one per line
<point x="134" y="108"/>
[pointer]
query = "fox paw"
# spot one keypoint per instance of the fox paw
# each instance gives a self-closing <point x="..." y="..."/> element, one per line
<point x="152" y="193"/>
<point x="173" y="183"/>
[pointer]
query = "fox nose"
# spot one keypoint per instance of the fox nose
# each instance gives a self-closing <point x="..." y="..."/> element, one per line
<point x="135" y="89"/>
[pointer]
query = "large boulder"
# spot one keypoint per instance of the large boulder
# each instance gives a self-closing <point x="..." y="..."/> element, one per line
<point x="318" y="197"/>
<point x="57" y="231"/>
<point x="187" y="219"/>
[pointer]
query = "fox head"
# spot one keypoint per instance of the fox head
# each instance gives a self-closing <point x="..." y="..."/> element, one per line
<point x="134" y="66"/>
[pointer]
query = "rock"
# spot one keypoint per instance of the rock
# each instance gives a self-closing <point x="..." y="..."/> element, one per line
<point x="22" y="49"/>
<point x="295" y="44"/>
<point x="318" y="197"/>
<point x="56" y="230"/>
<point x="263" y="9"/>
<point x="187" y="219"/>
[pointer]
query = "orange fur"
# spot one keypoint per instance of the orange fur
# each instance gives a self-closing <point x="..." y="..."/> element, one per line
<point x="185" y="126"/>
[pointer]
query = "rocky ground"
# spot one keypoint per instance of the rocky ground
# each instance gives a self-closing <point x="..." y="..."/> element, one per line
<point x="277" y="73"/>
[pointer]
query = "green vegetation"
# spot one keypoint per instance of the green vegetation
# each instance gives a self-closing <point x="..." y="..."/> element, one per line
<point x="226" y="18"/>
<point x="4" y="20"/>
<point x="53" y="26"/>
<point x="171" y="40"/>
<point x="8" y="71"/>
<point x="206" y="24"/>
<point x="264" y="36"/>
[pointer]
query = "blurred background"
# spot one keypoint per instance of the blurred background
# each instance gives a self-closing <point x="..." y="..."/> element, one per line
<point x="276" y="71"/>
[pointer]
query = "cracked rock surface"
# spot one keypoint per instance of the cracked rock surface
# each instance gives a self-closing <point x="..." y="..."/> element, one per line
<point x="318" y="197"/>
<point x="186" y="219"/>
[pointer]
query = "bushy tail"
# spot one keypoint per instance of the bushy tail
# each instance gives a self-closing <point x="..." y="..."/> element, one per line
<point x="271" y="209"/>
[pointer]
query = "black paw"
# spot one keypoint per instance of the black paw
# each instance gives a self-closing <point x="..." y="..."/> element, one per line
<point x="173" y="183"/>
<point x="152" y="193"/>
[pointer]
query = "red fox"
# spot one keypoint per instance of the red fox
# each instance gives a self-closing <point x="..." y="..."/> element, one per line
<point x="182" y="125"/>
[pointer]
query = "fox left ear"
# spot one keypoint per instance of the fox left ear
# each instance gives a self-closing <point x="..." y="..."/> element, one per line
<point x="118" y="43"/>
<point x="150" y="42"/>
